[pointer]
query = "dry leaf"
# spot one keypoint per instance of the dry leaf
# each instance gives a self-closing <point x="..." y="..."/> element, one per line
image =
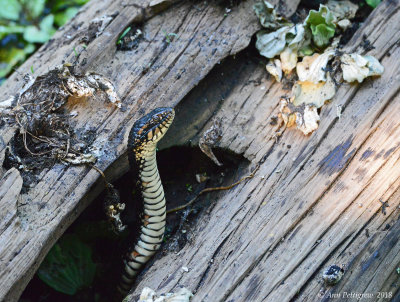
<point x="311" y="93"/>
<point x="356" y="67"/>
<point x="344" y="9"/>
<point x="288" y="59"/>
<point x="275" y="69"/>
<point x="304" y="117"/>
<point x="149" y="295"/>
<point x="312" y="68"/>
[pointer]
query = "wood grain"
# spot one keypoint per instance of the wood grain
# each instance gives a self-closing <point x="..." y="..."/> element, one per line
<point x="310" y="205"/>
<point x="313" y="198"/>
<point x="157" y="73"/>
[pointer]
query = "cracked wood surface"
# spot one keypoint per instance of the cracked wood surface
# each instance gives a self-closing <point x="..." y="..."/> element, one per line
<point x="155" y="74"/>
<point x="269" y="239"/>
<point x="315" y="200"/>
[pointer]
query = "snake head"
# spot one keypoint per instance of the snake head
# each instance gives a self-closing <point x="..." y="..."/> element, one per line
<point x="148" y="130"/>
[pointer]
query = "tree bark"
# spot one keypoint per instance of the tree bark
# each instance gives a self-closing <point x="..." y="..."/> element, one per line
<point x="267" y="239"/>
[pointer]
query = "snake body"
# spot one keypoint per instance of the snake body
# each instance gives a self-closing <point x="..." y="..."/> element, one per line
<point x="142" y="143"/>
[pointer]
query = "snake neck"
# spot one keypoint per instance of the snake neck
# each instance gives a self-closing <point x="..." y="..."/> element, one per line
<point x="151" y="188"/>
<point x="153" y="226"/>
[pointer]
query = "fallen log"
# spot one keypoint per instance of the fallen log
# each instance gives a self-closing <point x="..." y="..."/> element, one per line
<point x="159" y="72"/>
<point x="307" y="207"/>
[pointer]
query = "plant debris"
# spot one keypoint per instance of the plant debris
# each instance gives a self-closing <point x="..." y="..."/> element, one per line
<point x="308" y="92"/>
<point x="209" y="139"/>
<point x="149" y="295"/>
<point x="342" y="10"/>
<point x="304" y="117"/>
<point x="113" y="208"/>
<point x="130" y="38"/>
<point x="304" y="48"/>
<point x="275" y="69"/>
<point x="356" y="67"/>
<point x="202" y="177"/>
<point x="96" y="28"/>
<point x="206" y="190"/>
<point x="44" y="134"/>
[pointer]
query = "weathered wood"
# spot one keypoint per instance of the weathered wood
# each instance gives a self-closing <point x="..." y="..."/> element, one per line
<point x="157" y="73"/>
<point x="371" y="270"/>
<point x="313" y="198"/>
<point x="10" y="187"/>
<point x="270" y="238"/>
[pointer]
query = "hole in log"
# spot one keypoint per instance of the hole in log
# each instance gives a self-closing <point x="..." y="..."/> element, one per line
<point x="178" y="167"/>
<point x="178" y="161"/>
<point x="130" y="37"/>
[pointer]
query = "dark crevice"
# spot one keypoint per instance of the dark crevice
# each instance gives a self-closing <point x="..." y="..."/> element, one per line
<point x="199" y="106"/>
<point x="178" y="167"/>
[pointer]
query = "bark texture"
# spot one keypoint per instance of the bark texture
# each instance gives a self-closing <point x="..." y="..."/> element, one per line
<point x="313" y="202"/>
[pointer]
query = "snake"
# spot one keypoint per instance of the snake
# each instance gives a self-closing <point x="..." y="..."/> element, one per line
<point x="142" y="145"/>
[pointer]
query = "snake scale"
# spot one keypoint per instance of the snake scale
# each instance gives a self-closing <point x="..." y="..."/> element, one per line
<point x="142" y="144"/>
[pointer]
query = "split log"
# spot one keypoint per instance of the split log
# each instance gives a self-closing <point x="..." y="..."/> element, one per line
<point x="265" y="240"/>
<point x="313" y="199"/>
<point x="156" y="74"/>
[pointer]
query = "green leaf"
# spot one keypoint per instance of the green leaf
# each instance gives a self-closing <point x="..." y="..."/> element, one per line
<point x="47" y="24"/>
<point x="10" y="9"/>
<point x="62" y="4"/>
<point x="34" y="7"/>
<point x="68" y="267"/>
<point x="12" y="28"/>
<point x="306" y="50"/>
<point x="373" y="3"/>
<point x="321" y="24"/>
<point x="43" y="33"/>
<point x="34" y="35"/>
<point x="11" y="57"/>
<point x="267" y="15"/>
<point x="123" y="35"/>
<point x="62" y="17"/>
<point x="322" y="34"/>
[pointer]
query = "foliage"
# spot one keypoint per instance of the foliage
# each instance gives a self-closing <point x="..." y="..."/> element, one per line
<point x="373" y="3"/>
<point x="68" y="267"/>
<point x="267" y="15"/>
<point x="321" y="24"/>
<point x="25" y="24"/>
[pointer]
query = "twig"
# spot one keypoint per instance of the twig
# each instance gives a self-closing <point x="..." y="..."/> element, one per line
<point x="251" y="175"/>
<point x="27" y="149"/>
<point x="108" y="185"/>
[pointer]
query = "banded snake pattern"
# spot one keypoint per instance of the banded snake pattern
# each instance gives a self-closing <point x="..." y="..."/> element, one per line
<point x="142" y="144"/>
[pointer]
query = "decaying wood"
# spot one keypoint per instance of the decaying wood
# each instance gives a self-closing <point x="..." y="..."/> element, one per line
<point x="314" y="197"/>
<point x="158" y="73"/>
<point x="269" y="239"/>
